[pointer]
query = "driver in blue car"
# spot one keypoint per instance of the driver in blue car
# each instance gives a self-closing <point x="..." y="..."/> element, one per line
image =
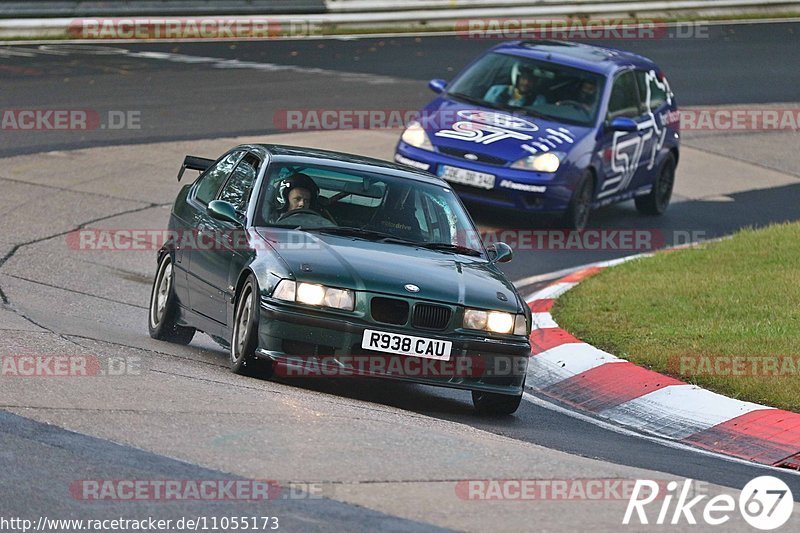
<point x="521" y="94"/>
<point x="584" y="98"/>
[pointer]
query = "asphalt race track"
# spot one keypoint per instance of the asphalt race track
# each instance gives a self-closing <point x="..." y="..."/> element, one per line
<point x="383" y="455"/>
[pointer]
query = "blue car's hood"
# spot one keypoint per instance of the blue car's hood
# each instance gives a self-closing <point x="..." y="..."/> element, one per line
<point x="456" y="127"/>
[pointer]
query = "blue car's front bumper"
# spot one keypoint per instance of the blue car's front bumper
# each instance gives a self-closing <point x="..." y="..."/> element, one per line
<point x="508" y="183"/>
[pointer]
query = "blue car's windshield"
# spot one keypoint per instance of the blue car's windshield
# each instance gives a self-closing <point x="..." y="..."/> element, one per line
<point x="371" y="206"/>
<point x="537" y="88"/>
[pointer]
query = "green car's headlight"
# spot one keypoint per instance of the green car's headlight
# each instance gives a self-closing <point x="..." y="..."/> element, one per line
<point x="495" y="321"/>
<point x="415" y="136"/>
<point x="546" y="162"/>
<point x="316" y="295"/>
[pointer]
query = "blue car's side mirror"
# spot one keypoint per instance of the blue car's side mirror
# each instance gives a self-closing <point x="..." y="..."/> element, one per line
<point x="437" y="85"/>
<point x="623" y="124"/>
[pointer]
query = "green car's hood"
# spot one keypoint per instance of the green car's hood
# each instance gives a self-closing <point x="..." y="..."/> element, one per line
<point x="386" y="268"/>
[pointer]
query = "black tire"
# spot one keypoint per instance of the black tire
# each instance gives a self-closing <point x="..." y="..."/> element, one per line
<point x="657" y="201"/>
<point x="580" y="206"/>
<point x="162" y="313"/>
<point x="490" y="403"/>
<point x="244" y="333"/>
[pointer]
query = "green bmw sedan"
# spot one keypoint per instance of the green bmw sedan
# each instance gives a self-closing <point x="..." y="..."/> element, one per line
<point x="304" y="262"/>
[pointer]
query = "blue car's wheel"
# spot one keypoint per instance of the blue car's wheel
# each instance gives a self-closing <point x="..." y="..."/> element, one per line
<point x="163" y="309"/>
<point x="577" y="214"/>
<point x="657" y="201"/>
<point x="244" y="336"/>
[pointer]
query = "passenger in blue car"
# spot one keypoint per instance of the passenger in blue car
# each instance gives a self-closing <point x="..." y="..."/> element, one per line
<point x="522" y="93"/>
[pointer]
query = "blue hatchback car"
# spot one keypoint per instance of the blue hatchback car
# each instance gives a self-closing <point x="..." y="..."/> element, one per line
<point x="551" y="127"/>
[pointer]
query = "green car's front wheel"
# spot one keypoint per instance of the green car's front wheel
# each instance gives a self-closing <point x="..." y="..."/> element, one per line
<point x="163" y="310"/>
<point x="244" y="337"/>
<point x="490" y="403"/>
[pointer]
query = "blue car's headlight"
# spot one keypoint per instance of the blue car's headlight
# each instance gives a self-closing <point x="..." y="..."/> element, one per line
<point x="546" y="162"/>
<point x="415" y="136"/>
<point x="316" y="295"/>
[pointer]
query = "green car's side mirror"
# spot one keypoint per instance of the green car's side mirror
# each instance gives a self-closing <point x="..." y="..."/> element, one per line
<point x="500" y="252"/>
<point x="222" y="210"/>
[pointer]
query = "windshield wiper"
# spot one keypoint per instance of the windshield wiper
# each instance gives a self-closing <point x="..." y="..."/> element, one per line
<point x="497" y="105"/>
<point x="472" y="99"/>
<point x="455" y="248"/>
<point x="363" y="233"/>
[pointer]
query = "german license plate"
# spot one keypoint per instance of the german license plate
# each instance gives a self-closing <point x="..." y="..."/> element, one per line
<point x="467" y="177"/>
<point x="381" y="341"/>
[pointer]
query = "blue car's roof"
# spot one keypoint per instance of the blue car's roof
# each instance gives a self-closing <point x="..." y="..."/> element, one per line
<point x="584" y="56"/>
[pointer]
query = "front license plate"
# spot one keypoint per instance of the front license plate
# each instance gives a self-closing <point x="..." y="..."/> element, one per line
<point x="381" y="341"/>
<point x="467" y="177"/>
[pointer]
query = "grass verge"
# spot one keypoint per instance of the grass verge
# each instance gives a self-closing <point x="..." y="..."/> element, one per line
<point x="725" y="315"/>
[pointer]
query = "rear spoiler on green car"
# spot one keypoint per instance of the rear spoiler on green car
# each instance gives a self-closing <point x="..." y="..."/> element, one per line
<point x="195" y="163"/>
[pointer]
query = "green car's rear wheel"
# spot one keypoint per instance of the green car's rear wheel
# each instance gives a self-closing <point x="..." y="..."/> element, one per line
<point x="163" y="310"/>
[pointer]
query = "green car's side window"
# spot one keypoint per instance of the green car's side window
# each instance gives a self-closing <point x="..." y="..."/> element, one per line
<point x="214" y="177"/>
<point x="237" y="189"/>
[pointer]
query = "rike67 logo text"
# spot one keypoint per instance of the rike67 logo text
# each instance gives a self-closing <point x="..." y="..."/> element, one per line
<point x="766" y="503"/>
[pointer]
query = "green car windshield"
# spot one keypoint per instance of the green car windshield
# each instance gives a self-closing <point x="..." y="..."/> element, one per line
<point x="370" y="206"/>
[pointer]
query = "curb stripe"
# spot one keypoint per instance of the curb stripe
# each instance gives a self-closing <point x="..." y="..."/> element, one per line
<point x="764" y="435"/>
<point x="554" y="290"/>
<point x="566" y="361"/>
<point x="543" y="305"/>
<point x="608" y="386"/>
<point x="679" y="411"/>
<point x="542" y="321"/>
<point x="580" y="275"/>
<point x="544" y="339"/>
<point x="575" y="373"/>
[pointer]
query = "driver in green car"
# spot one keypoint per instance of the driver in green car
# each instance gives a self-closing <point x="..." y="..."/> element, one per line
<point x="300" y="193"/>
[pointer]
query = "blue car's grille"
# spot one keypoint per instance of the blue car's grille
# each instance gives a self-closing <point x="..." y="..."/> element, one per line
<point x="481" y="158"/>
<point x="427" y="316"/>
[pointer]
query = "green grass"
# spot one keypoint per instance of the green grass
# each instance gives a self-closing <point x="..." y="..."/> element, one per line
<point x="736" y="297"/>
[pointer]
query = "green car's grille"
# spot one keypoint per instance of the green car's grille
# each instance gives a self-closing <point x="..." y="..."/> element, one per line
<point x="428" y="316"/>
<point x="389" y="311"/>
<point x="396" y="312"/>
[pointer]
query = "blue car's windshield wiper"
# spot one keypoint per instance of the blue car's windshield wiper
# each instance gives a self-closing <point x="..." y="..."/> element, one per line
<point x="497" y="105"/>
<point x="363" y="233"/>
<point x="472" y="99"/>
<point x="448" y="247"/>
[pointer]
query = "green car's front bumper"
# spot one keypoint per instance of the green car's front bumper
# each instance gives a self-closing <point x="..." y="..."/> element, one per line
<point x="306" y="343"/>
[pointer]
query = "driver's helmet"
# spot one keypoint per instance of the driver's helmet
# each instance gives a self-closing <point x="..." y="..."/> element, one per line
<point x="294" y="181"/>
